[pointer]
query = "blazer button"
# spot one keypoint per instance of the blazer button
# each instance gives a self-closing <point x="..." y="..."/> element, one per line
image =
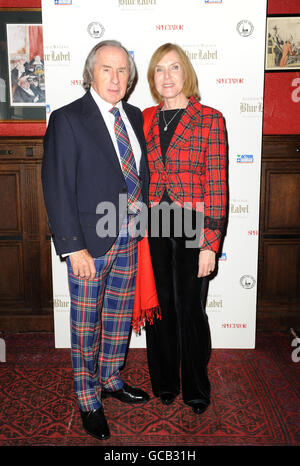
<point x="124" y="189"/>
<point x="164" y="177"/>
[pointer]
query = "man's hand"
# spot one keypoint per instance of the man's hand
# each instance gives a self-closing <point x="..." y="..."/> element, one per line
<point x="83" y="264"/>
<point x="206" y="263"/>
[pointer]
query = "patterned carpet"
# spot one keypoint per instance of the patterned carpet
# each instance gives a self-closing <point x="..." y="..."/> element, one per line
<point x="255" y="399"/>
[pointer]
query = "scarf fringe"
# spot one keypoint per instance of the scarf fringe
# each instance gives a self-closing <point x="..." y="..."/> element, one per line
<point x="146" y="315"/>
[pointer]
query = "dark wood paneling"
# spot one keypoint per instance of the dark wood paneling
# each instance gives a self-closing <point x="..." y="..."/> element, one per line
<point x="10" y="206"/>
<point x="278" y="304"/>
<point x="280" y="280"/>
<point x="282" y="197"/>
<point x="11" y="283"/>
<point x="283" y="146"/>
<point x="25" y="253"/>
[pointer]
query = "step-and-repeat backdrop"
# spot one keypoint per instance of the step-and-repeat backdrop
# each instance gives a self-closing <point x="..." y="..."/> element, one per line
<point x="225" y="41"/>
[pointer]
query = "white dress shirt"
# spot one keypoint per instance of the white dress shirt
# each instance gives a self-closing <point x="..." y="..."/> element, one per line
<point x="109" y="120"/>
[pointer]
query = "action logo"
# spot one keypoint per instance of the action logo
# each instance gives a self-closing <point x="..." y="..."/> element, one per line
<point x="245" y="158"/>
<point x="63" y="2"/>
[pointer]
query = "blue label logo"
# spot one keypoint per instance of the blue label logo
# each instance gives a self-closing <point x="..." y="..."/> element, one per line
<point x="245" y="158"/>
<point x="213" y="1"/>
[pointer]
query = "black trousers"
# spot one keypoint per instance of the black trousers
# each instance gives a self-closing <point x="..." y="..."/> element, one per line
<point x="179" y="344"/>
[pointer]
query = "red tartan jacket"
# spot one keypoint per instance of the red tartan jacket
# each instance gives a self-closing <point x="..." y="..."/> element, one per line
<point x="195" y="168"/>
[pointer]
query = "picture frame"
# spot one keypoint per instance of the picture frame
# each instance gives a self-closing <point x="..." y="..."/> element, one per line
<point x="282" y="43"/>
<point x="21" y="116"/>
<point x="26" y="65"/>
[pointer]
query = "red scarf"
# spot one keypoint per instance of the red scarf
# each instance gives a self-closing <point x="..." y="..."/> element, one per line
<point x="146" y="306"/>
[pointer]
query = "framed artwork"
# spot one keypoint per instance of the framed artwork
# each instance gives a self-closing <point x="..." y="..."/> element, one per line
<point x="25" y="65"/>
<point x="22" y="82"/>
<point x="283" y="43"/>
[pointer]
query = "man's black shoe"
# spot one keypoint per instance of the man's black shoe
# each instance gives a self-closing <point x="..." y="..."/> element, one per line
<point x="94" y="423"/>
<point x="127" y="394"/>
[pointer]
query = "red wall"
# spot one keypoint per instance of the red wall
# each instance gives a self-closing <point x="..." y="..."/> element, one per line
<point x="276" y="7"/>
<point x="20" y="3"/>
<point x="282" y="89"/>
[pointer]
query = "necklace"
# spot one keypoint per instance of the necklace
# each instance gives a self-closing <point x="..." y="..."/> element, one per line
<point x="167" y="124"/>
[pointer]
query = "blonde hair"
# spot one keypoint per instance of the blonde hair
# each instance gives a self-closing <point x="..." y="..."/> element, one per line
<point x="190" y="88"/>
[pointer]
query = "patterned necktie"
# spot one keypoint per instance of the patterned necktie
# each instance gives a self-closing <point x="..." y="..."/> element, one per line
<point x="128" y="163"/>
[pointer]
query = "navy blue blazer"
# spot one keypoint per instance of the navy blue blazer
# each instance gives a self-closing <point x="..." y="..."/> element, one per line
<point x="80" y="169"/>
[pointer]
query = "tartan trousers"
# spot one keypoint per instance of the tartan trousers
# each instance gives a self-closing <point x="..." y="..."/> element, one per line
<point x="101" y="313"/>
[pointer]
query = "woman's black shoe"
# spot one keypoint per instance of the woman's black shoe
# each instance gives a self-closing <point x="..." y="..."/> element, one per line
<point x="167" y="398"/>
<point x="199" y="407"/>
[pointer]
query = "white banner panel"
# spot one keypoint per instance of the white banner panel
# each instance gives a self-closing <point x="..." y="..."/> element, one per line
<point x="225" y="41"/>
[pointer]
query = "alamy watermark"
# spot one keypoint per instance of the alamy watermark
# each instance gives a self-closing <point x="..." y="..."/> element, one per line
<point x="296" y="92"/>
<point x="2" y="350"/>
<point x="296" y="351"/>
<point x="165" y="220"/>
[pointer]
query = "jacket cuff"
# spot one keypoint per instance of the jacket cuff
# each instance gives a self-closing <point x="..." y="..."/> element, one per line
<point x="211" y="240"/>
<point x="64" y="244"/>
<point x="212" y="223"/>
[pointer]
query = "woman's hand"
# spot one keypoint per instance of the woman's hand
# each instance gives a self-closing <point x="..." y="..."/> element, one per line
<point x="206" y="263"/>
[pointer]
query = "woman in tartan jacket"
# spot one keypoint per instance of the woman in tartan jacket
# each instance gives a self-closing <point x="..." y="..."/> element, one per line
<point x="186" y="144"/>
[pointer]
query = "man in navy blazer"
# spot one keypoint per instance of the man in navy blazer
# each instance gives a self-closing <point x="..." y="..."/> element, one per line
<point x="83" y="173"/>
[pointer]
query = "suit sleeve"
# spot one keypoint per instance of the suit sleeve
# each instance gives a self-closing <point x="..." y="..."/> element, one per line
<point x="215" y="190"/>
<point x="59" y="169"/>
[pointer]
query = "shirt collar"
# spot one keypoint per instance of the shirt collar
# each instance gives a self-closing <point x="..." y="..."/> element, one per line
<point x="102" y="104"/>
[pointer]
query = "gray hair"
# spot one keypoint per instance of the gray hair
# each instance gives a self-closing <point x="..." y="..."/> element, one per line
<point x="88" y="71"/>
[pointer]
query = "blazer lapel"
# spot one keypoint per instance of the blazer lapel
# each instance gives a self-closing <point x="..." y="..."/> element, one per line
<point x="96" y="126"/>
<point x="183" y="130"/>
<point x="153" y="142"/>
<point x="179" y="138"/>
